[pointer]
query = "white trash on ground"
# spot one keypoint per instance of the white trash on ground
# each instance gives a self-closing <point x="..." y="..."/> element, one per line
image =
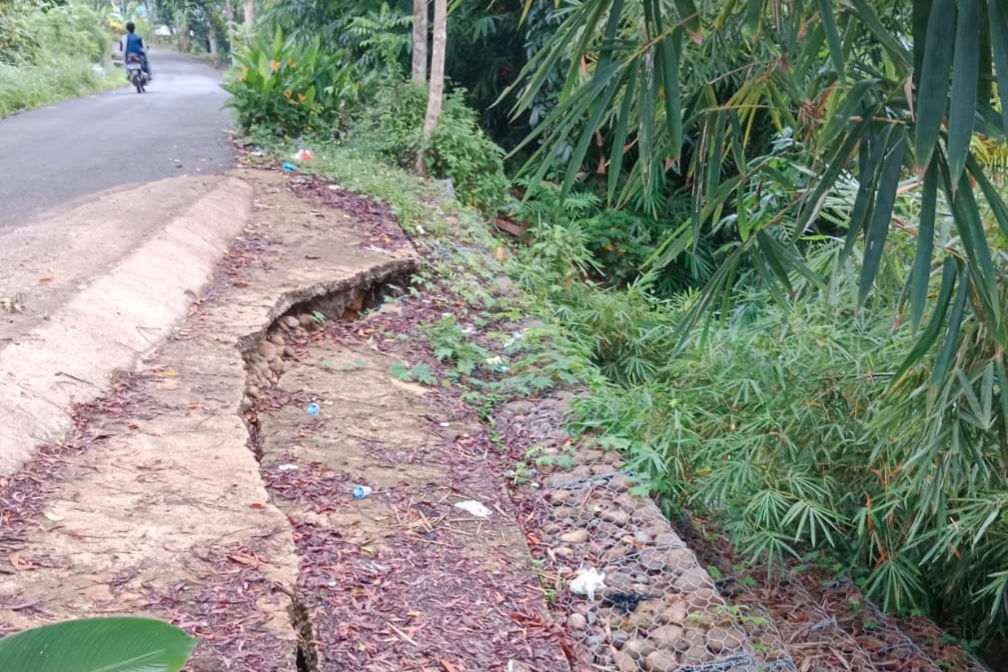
<point x="587" y="581"/>
<point x="474" y="508"/>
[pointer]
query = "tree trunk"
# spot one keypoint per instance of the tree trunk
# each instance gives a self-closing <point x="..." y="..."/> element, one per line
<point x="420" y="8"/>
<point x="249" y="11"/>
<point x="229" y="10"/>
<point x="436" y="82"/>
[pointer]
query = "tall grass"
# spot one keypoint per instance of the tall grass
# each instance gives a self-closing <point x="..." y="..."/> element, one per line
<point x="31" y="86"/>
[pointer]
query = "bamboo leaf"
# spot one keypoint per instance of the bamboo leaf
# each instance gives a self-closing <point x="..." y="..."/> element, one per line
<point x="753" y="10"/>
<point x="967" y="217"/>
<point x="878" y="226"/>
<point x="690" y="16"/>
<point x="932" y="94"/>
<point x="620" y="136"/>
<point x="835" y="165"/>
<point x="921" y="12"/>
<point x="990" y="192"/>
<point x="920" y="274"/>
<point x="944" y="358"/>
<point x="667" y="61"/>
<point x="603" y="74"/>
<point x="832" y="37"/>
<point x="965" y="74"/>
<point x="950" y="271"/>
<point x="885" y="37"/>
<point x="715" y="153"/>
<point x="871" y="153"/>
<point x="999" y="42"/>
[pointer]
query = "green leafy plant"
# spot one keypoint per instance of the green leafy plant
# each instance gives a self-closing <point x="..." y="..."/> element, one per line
<point x="381" y="37"/>
<point x="120" y="644"/>
<point x="458" y="149"/>
<point x="420" y="373"/>
<point x="289" y="87"/>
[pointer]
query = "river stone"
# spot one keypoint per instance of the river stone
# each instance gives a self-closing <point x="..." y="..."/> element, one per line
<point x="724" y="640"/>
<point x="624" y="663"/>
<point x="660" y="661"/>
<point x="639" y="648"/>
<point x="574" y="537"/>
<point x="696" y="654"/>
<point x="666" y="636"/>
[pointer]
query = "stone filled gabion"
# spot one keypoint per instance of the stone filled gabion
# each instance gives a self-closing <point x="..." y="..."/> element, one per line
<point x="659" y="610"/>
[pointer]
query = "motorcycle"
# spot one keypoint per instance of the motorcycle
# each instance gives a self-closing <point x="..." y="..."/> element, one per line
<point x="135" y="72"/>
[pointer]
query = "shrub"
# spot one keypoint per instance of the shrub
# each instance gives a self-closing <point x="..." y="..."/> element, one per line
<point x="16" y="44"/>
<point x="71" y="30"/>
<point x="290" y="87"/>
<point x="458" y="150"/>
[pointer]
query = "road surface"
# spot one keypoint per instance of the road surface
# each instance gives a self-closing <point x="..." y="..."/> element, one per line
<point x="63" y="153"/>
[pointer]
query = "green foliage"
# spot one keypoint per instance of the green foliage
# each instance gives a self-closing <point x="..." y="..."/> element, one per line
<point x="486" y="49"/>
<point x="33" y="33"/>
<point x="381" y="38"/>
<point x="290" y="87"/>
<point x="16" y="44"/>
<point x="71" y="29"/>
<point x="98" y="645"/>
<point x="451" y="345"/>
<point x="50" y="53"/>
<point x="420" y="373"/>
<point x="458" y="149"/>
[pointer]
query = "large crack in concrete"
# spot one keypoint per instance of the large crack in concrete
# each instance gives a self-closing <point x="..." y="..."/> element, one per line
<point x="267" y="353"/>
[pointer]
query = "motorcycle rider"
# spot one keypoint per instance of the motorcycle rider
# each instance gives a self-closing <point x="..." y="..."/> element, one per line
<point x="132" y="43"/>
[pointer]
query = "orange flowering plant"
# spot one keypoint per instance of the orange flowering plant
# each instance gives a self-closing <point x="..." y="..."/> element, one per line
<point x="284" y="85"/>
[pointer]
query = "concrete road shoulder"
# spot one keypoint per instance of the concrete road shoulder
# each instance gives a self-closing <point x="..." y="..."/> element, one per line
<point x="102" y="285"/>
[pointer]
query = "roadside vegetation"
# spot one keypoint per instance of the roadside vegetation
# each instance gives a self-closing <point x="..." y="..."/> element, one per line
<point x="53" y="51"/>
<point x="782" y="281"/>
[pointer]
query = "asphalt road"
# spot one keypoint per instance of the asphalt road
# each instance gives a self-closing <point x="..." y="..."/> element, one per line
<point x="63" y="153"/>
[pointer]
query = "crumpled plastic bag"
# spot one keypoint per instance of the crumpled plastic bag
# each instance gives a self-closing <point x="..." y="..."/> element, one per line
<point x="586" y="581"/>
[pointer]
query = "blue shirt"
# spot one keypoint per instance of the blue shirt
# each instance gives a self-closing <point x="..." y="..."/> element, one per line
<point x="134" y="44"/>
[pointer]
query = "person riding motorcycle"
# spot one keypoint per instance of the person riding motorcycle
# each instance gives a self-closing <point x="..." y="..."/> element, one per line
<point x="132" y="43"/>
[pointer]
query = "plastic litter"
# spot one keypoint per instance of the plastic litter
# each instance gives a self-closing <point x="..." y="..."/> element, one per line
<point x="474" y="508"/>
<point x="303" y="155"/>
<point x="497" y="364"/>
<point x="515" y="337"/>
<point x="287" y="466"/>
<point x="313" y="409"/>
<point x="586" y="581"/>
<point x="289" y="167"/>
<point x="625" y="602"/>
<point x="361" y="491"/>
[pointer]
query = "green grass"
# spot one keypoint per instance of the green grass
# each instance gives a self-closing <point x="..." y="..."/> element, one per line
<point x="27" y="87"/>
